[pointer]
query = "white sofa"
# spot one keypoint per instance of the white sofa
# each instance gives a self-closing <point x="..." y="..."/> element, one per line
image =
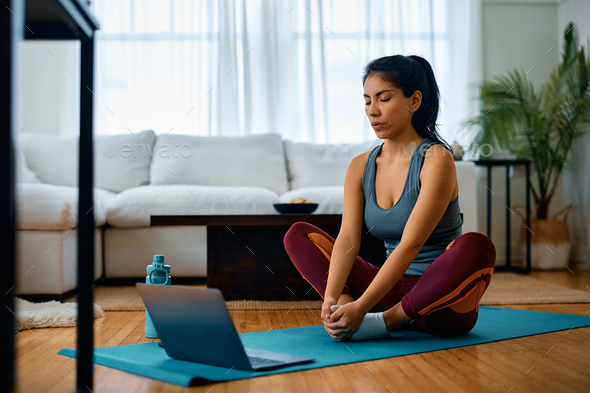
<point x="143" y="174"/>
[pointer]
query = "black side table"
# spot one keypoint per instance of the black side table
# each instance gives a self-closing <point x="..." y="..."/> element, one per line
<point x="508" y="164"/>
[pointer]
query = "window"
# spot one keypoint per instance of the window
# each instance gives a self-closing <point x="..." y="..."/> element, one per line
<point x="294" y="68"/>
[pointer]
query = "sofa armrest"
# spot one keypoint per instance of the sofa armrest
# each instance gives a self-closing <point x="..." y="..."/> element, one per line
<point x="467" y="194"/>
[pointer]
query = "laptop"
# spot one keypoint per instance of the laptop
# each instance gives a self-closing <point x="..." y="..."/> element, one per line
<point x="194" y="325"/>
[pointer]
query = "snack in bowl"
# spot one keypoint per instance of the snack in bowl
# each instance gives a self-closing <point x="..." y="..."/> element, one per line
<point x="299" y="200"/>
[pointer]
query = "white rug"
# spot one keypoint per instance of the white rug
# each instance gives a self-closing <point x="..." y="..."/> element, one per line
<point x="48" y="314"/>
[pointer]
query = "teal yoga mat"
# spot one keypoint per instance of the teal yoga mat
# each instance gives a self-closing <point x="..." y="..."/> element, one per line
<point x="494" y="324"/>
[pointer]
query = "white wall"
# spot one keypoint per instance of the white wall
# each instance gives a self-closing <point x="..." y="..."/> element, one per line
<point x="517" y="34"/>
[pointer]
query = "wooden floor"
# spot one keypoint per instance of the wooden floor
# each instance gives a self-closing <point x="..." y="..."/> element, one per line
<point x="552" y="362"/>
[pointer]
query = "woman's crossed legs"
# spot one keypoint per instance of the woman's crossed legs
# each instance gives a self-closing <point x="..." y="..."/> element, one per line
<point x="443" y="301"/>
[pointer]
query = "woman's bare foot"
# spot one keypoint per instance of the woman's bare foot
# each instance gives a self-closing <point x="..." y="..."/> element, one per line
<point x="395" y="318"/>
<point x="345" y="298"/>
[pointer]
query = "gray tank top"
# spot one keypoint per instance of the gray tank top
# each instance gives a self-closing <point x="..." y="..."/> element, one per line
<point x="388" y="224"/>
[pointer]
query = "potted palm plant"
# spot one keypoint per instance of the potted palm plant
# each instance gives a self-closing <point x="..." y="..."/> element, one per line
<point x="541" y="128"/>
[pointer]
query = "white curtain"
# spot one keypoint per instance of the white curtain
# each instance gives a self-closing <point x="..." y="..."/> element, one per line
<point x="237" y="67"/>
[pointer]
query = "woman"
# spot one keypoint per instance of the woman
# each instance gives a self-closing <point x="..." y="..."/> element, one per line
<point x="407" y="193"/>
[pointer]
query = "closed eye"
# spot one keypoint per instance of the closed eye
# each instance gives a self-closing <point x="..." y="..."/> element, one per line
<point x="367" y="103"/>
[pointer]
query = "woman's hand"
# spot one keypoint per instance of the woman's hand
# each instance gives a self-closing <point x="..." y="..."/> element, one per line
<point x="345" y="321"/>
<point x="326" y="312"/>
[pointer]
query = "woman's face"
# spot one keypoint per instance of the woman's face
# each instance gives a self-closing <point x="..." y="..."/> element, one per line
<point x="386" y="107"/>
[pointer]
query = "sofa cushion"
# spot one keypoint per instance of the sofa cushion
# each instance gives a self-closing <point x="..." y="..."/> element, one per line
<point x="49" y="207"/>
<point x="120" y="161"/>
<point x="245" y="161"/>
<point x="23" y="173"/>
<point x="132" y="208"/>
<point x="314" y="165"/>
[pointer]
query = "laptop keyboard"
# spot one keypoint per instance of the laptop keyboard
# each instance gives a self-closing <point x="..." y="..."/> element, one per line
<point x="262" y="362"/>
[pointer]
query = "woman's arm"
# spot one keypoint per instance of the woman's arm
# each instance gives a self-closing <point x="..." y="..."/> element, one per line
<point x="348" y="242"/>
<point x="390" y="273"/>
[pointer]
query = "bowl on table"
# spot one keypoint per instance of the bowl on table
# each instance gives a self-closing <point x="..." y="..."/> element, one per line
<point x="295" y="208"/>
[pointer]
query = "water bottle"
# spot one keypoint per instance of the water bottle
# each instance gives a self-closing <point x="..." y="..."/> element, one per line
<point x="157" y="274"/>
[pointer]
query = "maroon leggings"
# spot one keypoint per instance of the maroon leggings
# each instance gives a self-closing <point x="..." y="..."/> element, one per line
<point x="443" y="301"/>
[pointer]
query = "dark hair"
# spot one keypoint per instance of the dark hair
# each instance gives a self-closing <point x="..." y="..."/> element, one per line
<point x="411" y="73"/>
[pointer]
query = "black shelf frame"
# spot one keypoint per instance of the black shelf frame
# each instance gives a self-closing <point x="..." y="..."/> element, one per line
<point x="508" y="164"/>
<point x="47" y="20"/>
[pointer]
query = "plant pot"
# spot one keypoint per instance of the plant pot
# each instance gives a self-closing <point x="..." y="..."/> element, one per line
<point x="550" y="241"/>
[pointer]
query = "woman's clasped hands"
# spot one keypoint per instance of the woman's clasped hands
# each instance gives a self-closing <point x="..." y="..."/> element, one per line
<point x="345" y="321"/>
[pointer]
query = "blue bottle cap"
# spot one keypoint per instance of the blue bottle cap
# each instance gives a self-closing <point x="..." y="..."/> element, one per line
<point x="159" y="258"/>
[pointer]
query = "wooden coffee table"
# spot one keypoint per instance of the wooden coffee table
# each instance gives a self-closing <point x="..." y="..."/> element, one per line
<point x="246" y="257"/>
